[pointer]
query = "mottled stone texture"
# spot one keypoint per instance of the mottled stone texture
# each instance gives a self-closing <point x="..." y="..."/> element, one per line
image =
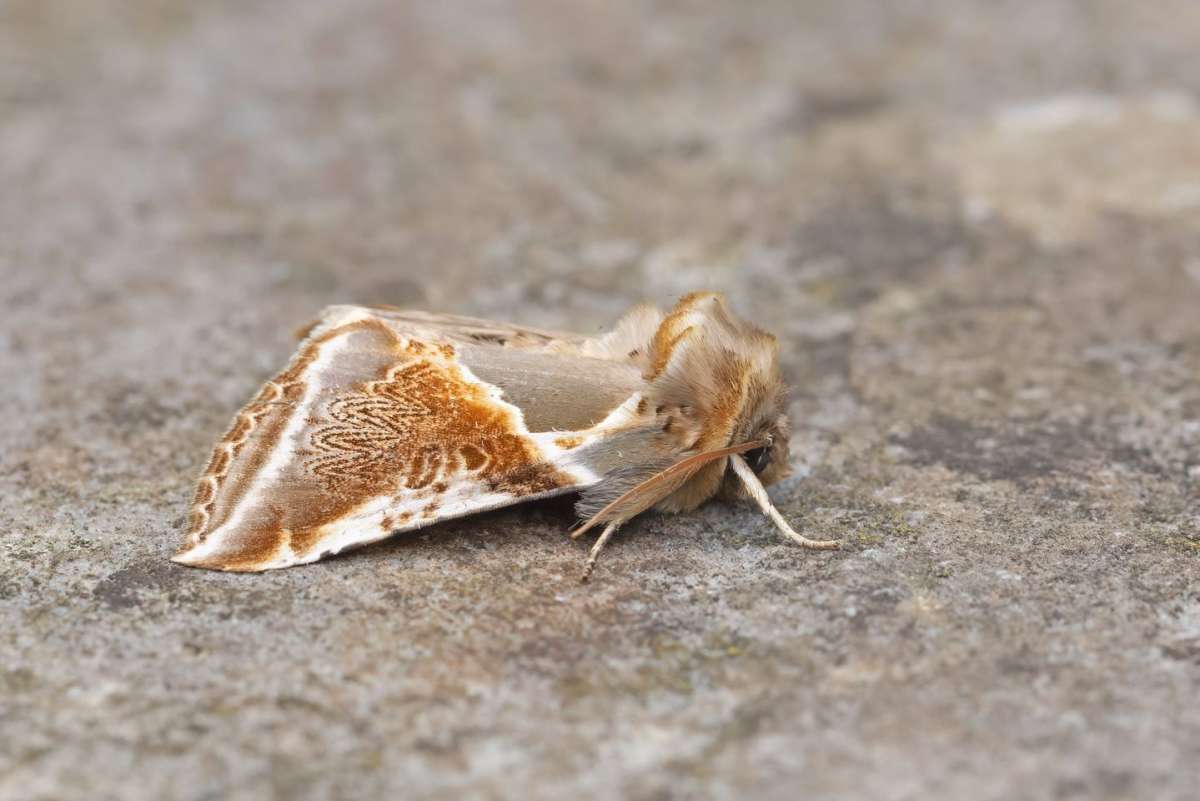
<point x="974" y="225"/>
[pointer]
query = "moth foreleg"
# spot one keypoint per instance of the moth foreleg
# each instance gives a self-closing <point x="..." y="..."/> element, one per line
<point x="609" y="530"/>
<point x="759" y="493"/>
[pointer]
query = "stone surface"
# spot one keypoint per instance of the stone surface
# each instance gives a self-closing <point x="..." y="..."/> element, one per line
<point x="975" y="226"/>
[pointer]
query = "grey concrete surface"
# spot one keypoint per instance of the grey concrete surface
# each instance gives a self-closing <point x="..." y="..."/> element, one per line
<point x="974" y="225"/>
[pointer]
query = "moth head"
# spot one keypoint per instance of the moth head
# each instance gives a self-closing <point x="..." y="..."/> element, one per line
<point x="726" y="370"/>
<point x="770" y="461"/>
<point x="765" y="422"/>
<point x="755" y="393"/>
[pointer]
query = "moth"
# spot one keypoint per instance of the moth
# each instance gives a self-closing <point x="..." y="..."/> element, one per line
<point x="387" y="420"/>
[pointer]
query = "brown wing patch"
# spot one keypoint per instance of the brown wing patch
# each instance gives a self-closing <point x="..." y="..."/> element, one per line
<point x="416" y="429"/>
<point x="421" y="424"/>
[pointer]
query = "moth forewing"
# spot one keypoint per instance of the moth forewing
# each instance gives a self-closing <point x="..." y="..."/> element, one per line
<point x="386" y="420"/>
<point x="371" y="431"/>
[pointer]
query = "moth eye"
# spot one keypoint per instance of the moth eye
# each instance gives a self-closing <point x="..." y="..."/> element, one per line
<point x="758" y="459"/>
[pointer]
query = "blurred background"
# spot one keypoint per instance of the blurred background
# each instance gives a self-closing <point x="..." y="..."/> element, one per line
<point x="975" y="227"/>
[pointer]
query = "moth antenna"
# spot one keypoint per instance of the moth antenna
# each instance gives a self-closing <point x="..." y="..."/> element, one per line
<point x="759" y="493"/>
<point x="609" y="530"/>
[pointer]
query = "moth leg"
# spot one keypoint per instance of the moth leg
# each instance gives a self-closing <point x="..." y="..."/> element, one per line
<point x="609" y="530"/>
<point x="759" y="494"/>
